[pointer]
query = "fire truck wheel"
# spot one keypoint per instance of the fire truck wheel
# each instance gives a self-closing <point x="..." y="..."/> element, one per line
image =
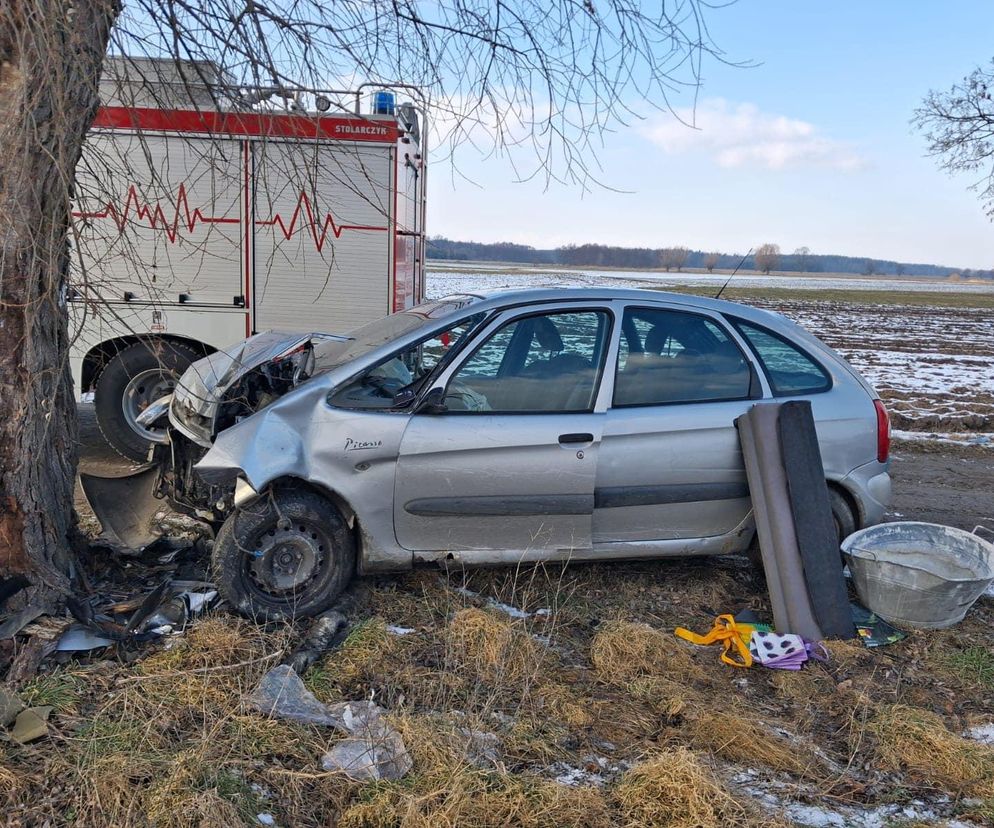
<point x="288" y="555"/>
<point x="135" y="378"/>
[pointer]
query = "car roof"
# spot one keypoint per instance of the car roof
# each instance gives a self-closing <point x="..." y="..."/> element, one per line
<point x="491" y="299"/>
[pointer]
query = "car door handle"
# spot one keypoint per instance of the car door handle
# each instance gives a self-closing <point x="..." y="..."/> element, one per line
<point x="576" y="438"/>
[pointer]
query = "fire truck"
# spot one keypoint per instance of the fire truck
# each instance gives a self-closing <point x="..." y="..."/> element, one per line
<point x="204" y="216"/>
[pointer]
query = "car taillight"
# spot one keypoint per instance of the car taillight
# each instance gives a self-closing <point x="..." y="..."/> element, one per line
<point x="883" y="432"/>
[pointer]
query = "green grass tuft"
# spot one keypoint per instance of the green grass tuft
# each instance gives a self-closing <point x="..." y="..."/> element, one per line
<point x="974" y="665"/>
<point x="60" y="690"/>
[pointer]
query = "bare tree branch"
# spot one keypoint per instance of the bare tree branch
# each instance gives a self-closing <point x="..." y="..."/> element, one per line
<point x="959" y="127"/>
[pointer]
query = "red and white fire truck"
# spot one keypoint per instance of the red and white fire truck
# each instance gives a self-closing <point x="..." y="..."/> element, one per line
<point x="197" y="226"/>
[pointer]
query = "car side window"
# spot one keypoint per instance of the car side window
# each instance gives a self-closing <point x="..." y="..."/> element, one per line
<point x="540" y="363"/>
<point x="668" y="356"/>
<point x="377" y="387"/>
<point x="789" y="370"/>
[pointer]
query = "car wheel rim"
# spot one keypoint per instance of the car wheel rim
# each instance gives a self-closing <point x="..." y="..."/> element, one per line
<point x="144" y="389"/>
<point x="286" y="559"/>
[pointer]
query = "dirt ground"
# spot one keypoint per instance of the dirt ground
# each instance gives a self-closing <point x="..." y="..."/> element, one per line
<point x="942" y="483"/>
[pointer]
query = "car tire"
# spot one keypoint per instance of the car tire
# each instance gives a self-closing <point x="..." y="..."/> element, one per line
<point x="842" y="514"/>
<point x="129" y="382"/>
<point x="260" y="549"/>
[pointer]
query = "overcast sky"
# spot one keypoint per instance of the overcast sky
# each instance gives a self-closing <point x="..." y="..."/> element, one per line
<point x="811" y="147"/>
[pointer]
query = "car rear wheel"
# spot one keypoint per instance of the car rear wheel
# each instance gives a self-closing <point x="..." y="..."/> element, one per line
<point x="842" y="514"/>
<point x="289" y="555"/>
<point x="134" y="379"/>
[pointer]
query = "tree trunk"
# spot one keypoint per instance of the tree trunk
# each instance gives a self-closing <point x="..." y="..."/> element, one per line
<point x="51" y="52"/>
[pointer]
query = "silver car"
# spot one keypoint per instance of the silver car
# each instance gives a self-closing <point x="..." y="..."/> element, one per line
<point x="575" y="424"/>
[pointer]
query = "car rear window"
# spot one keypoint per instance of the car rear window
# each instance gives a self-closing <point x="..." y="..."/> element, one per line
<point x="789" y="369"/>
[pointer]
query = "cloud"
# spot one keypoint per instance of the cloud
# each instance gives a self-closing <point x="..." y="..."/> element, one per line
<point x="740" y="135"/>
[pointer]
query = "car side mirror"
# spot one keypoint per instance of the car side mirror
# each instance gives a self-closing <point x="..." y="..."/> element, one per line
<point x="404" y="398"/>
<point x="433" y="402"/>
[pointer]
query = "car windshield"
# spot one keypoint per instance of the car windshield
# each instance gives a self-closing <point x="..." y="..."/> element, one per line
<point x="331" y="353"/>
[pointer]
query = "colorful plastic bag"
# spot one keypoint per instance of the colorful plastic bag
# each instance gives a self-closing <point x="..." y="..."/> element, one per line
<point x="734" y="639"/>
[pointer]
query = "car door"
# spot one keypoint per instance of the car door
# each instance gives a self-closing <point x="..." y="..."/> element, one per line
<point x="507" y="463"/>
<point x="670" y="466"/>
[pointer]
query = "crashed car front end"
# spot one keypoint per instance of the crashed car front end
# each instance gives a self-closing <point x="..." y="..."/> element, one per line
<point x="213" y="394"/>
<point x="227" y="386"/>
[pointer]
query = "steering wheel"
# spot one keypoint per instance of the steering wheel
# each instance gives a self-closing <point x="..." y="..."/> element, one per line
<point x="385" y="386"/>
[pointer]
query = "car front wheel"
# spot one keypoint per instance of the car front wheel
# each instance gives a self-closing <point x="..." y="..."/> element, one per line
<point x="288" y="555"/>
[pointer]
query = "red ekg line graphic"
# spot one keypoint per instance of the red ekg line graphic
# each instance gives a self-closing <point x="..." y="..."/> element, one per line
<point x="318" y="232"/>
<point x="156" y="218"/>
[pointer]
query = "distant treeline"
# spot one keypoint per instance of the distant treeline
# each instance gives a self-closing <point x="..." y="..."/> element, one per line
<point x="678" y="258"/>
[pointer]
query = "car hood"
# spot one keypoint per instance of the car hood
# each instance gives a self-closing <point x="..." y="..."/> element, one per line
<point x="203" y="385"/>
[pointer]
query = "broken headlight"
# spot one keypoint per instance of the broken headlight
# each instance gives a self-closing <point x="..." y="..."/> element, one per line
<point x="265" y="384"/>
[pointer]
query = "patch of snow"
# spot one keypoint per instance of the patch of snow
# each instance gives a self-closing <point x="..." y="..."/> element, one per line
<point x="953" y="437"/>
<point x="983" y="733"/>
<point x="395" y="630"/>
<point x="574" y="777"/>
<point x="514" y="612"/>
<point x="597" y="771"/>
<point x="508" y="609"/>
<point x="265" y="819"/>
<point x="775" y="796"/>
<point x="543" y="611"/>
<point x="933" y="373"/>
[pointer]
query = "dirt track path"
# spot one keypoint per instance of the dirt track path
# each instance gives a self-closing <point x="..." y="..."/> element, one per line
<point x="943" y="484"/>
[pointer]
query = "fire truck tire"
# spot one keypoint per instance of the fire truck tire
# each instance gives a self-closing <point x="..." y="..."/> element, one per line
<point x="288" y="555"/>
<point x="136" y="377"/>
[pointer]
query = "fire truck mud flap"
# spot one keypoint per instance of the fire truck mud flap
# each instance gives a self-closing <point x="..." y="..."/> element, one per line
<point x="125" y="506"/>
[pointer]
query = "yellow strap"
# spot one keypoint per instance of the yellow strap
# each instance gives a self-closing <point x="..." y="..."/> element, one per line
<point x="728" y="634"/>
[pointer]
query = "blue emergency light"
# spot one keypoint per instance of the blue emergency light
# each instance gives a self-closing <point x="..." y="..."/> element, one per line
<point x="383" y="102"/>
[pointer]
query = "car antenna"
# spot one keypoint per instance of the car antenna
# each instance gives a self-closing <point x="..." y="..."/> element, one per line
<point x="741" y="262"/>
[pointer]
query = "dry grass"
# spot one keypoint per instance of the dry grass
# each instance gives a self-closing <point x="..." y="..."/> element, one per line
<point x="747" y="740"/>
<point x="562" y="703"/>
<point x="676" y="790"/>
<point x="665" y="696"/>
<point x="918" y="741"/>
<point x="10" y="783"/>
<point x="192" y="792"/>
<point x="849" y="654"/>
<point x="624" y="650"/>
<point x="496" y="650"/>
<point x="168" y="743"/>
<point x="361" y="658"/>
<point x="168" y="740"/>
<point x="446" y="790"/>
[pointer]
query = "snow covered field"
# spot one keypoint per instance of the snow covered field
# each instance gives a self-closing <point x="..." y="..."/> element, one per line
<point x="455" y="277"/>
